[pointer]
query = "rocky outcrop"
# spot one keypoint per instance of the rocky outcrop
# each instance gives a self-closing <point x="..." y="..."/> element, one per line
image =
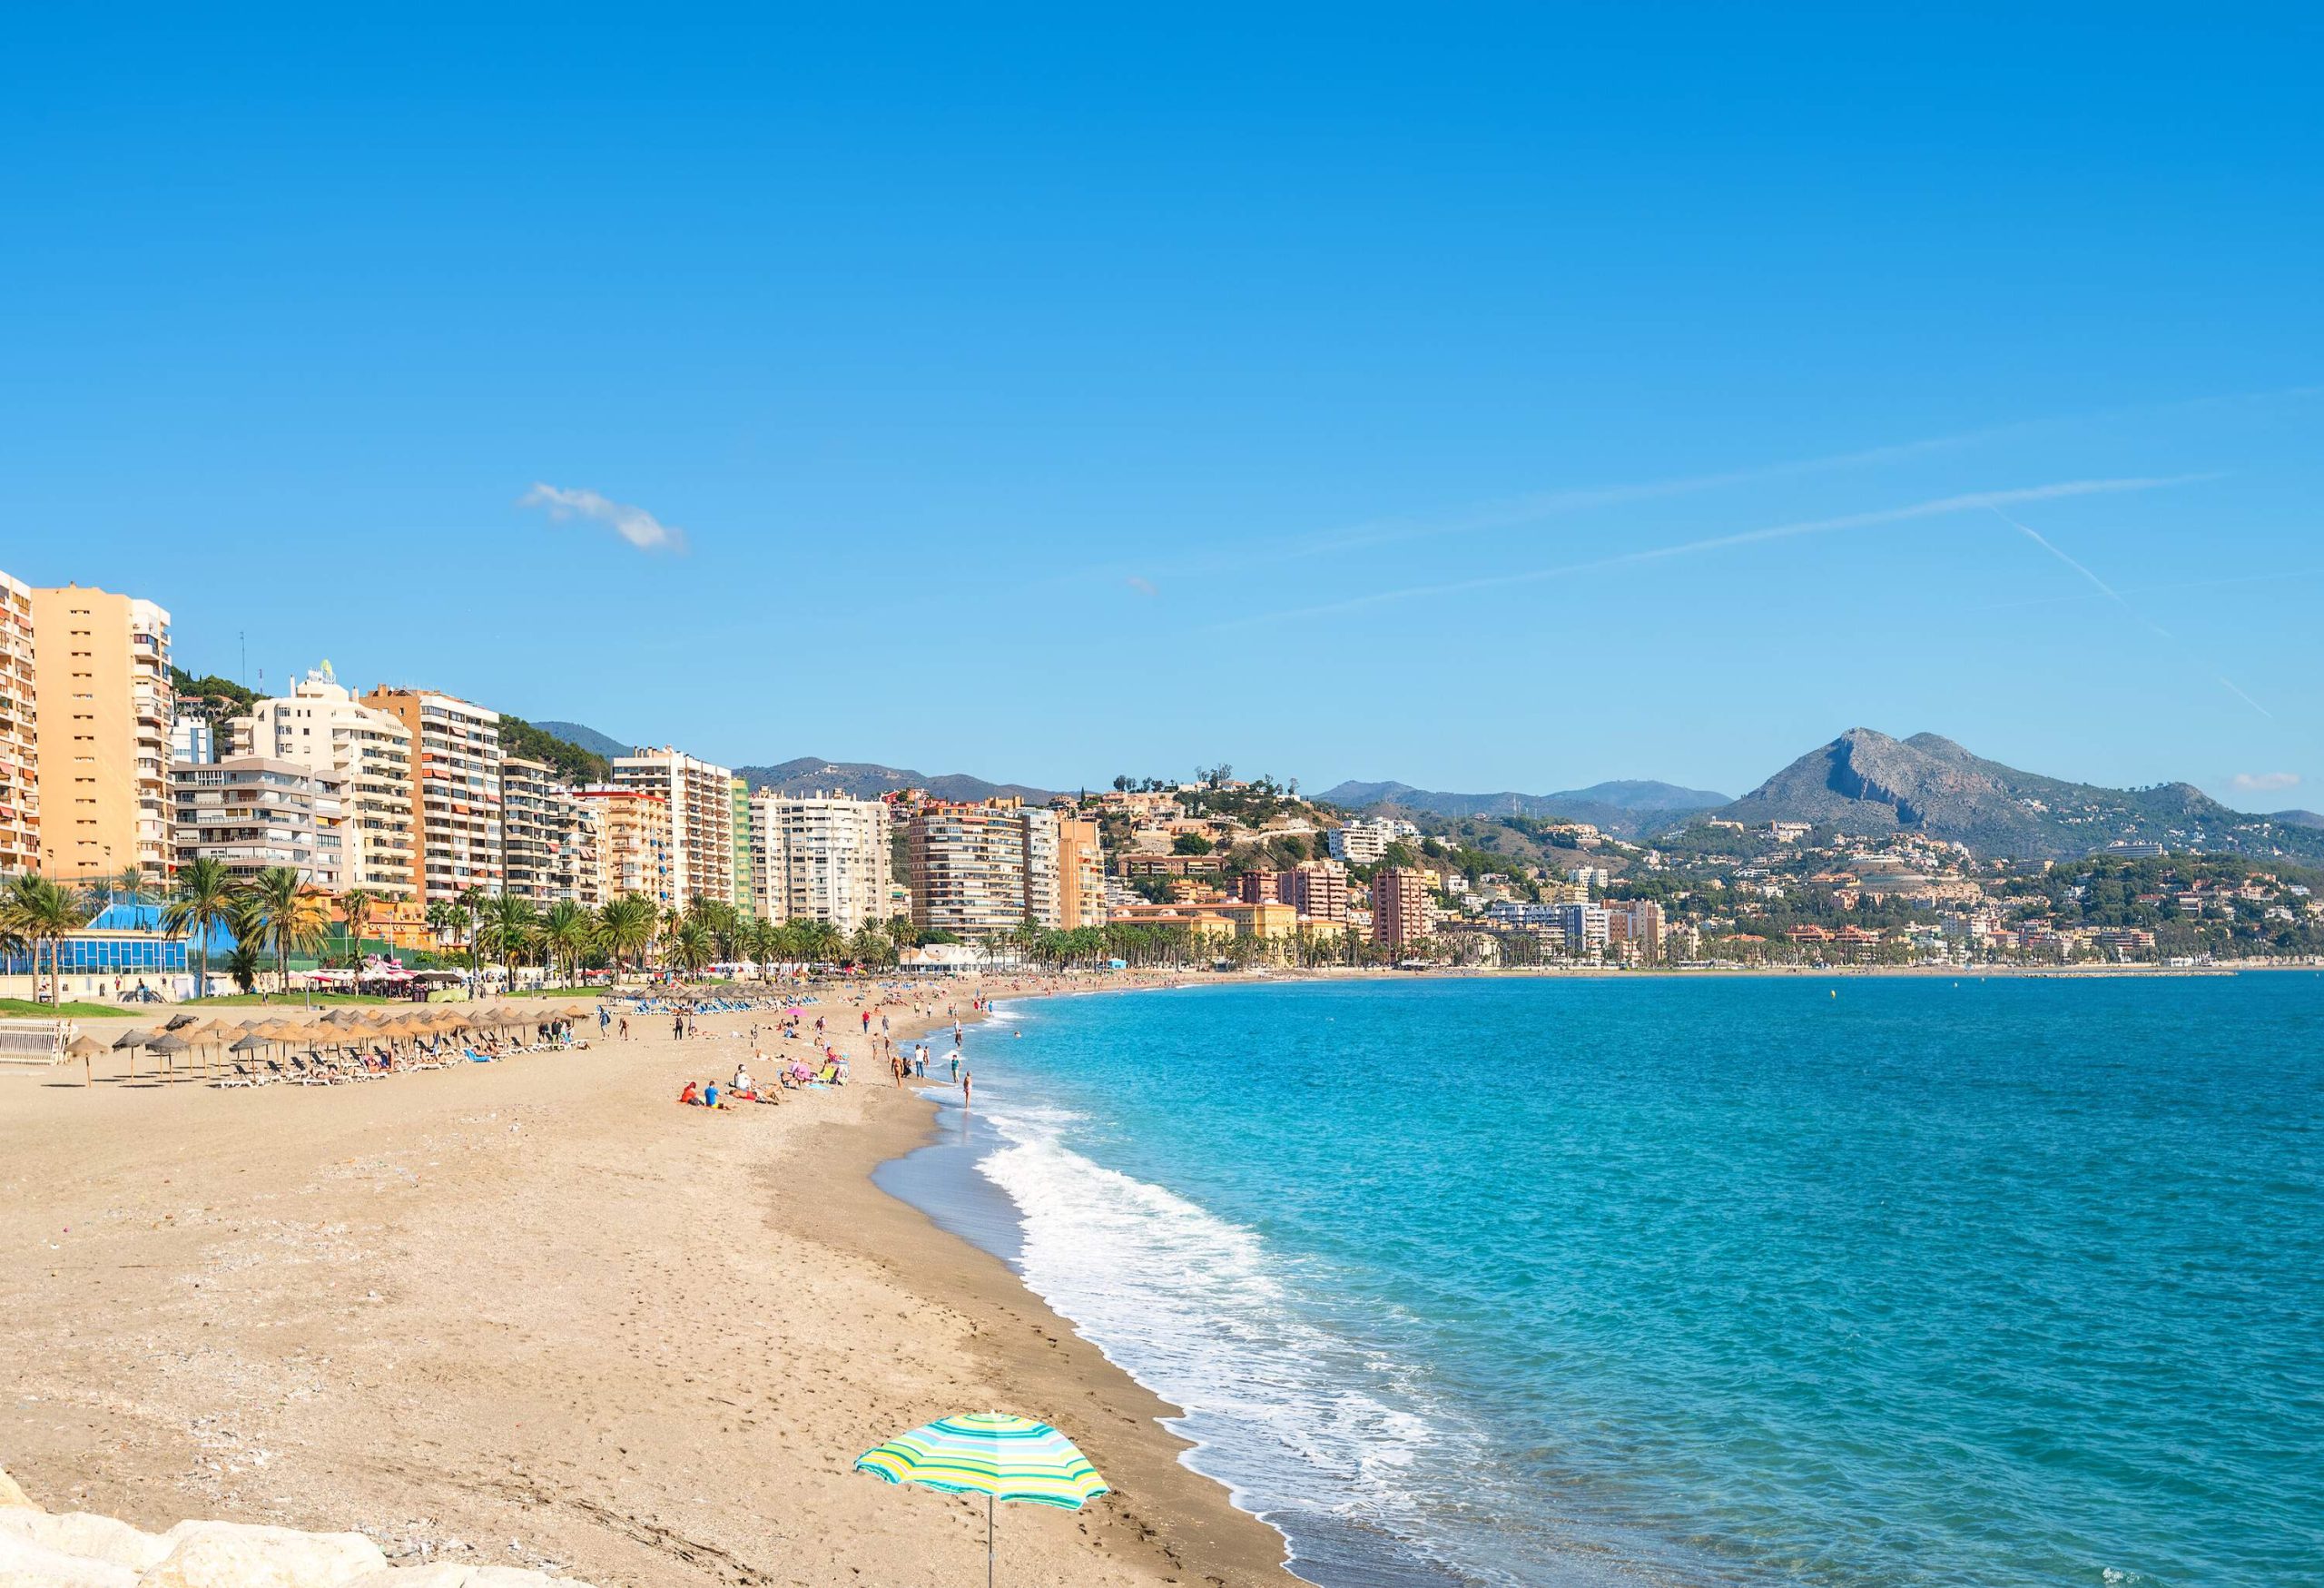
<point x="1866" y="785"/>
<point x="78" y="1550"/>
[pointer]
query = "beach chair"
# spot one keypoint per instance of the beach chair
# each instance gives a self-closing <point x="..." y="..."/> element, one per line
<point x="827" y="1075"/>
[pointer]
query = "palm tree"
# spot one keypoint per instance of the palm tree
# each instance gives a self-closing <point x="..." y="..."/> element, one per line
<point x="567" y="931"/>
<point x="203" y="902"/>
<point x="625" y="925"/>
<point x="471" y="902"/>
<point x="511" y="924"/>
<point x="356" y="903"/>
<point x="287" y="912"/>
<point x="39" y="911"/>
<point x="135" y="887"/>
<point x="690" y="946"/>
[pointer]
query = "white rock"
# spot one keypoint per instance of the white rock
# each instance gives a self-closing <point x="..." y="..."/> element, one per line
<point x="13" y="1498"/>
<point x="229" y="1554"/>
<point x="78" y="1532"/>
<point x="26" y="1565"/>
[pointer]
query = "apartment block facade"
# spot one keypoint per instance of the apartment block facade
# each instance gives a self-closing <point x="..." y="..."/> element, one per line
<point x="747" y="886"/>
<point x="253" y="812"/>
<point x="548" y="836"/>
<point x="454" y="785"/>
<point x="1081" y="874"/>
<point x="322" y="726"/>
<point x="631" y="827"/>
<point x="822" y="858"/>
<point x="19" y="733"/>
<point x="968" y="868"/>
<point x="1401" y="915"/>
<point x="100" y="690"/>
<point x="701" y="799"/>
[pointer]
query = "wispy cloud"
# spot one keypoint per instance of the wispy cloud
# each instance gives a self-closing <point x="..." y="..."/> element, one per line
<point x="641" y="528"/>
<point x="1537" y="506"/>
<point x="2116" y="596"/>
<point x="1938" y="508"/>
<point x="1144" y="587"/>
<point x="2263" y="781"/>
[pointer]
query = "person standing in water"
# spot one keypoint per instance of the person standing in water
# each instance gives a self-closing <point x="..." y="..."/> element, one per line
<point x="966" y="1079"/>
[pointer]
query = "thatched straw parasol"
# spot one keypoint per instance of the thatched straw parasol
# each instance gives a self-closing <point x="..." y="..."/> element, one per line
<point x="132" y="1041"/>
<point x="85" y="1048"/>
<point x="169" y="1045"/>
<point x="180" y="1021"/>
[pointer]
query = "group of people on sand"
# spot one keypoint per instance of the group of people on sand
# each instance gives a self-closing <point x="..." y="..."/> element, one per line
<point x="746" y="1088"/>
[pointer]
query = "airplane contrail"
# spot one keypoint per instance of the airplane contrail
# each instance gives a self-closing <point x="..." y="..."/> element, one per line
<point x="1928" y="510"/>
<point x="2116" y="596"/>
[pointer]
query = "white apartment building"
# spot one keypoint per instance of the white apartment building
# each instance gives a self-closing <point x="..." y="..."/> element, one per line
<point x="320" y="726"/>
<point x="454" y="785"/>
<point x="1361" y="842"/>
<point x="701" y="798"/>
<point x="253" y="812"/>
<point x="1044" y="892"/>
<point x="821" y="857"/>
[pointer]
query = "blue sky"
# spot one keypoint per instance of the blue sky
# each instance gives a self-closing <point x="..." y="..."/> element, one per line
<point x="1480" y="397"/>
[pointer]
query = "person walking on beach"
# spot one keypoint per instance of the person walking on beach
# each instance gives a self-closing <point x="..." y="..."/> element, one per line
<point x="955" y="1057"/>
<point x="605" y="1018"/>
<point x="867" y="1022"/>
<point x="967" y="1081"/>
<point x="896" y="1067"/>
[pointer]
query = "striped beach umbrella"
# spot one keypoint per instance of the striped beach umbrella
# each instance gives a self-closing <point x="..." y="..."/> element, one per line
<point x="1007" y="1459"/>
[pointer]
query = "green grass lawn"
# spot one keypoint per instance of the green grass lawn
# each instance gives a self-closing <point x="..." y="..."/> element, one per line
<point x="288" y="1000"/>
<point x="25" y="1008"/>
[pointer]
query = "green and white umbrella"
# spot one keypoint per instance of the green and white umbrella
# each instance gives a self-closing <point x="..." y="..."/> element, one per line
<point x="1004" y="1458"/>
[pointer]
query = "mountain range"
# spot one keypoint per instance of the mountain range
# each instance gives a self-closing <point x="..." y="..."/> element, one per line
<point x="861" y="780"/>
<point x="1626" y="806"/>
<point x="1866" y="783"/>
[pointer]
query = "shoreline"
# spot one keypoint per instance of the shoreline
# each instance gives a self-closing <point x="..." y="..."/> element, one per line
<point x="531" y="1314"/>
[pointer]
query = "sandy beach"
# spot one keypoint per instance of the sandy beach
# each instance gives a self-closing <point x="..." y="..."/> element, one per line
<point x="533" y="1313"/>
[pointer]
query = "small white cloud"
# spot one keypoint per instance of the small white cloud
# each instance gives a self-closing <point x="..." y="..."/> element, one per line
<point x="1143" y="586"/>
<point x="635" y="525"/>
<point x="2263" y="781"/>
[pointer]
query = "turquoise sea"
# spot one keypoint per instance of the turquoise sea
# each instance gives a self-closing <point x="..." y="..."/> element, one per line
<point x="1642" y="1281"/>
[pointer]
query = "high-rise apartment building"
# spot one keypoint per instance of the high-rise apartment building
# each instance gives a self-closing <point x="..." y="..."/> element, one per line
<point x="19" y="733"/>
<point x="1042" y="904"/>
<point x="632" y="830"/>
<point x="323" y="727"/>
<point x="1081" y="874"/>
<point x="1639" y="921"/>
<point x="1317" y="888"/>
<point x="1400" y="906"/>
<point x="548" y="836"/>
<point x="253" y="812"/>
<point x="701" y="798"/>
<point x="824" y="858"/>
<point x="101" y="687"/>
<point x="454" y="785"/>
<point x="528" y="831"/>
<point x="967" y="867"/>
<point x="747" y="886"/>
